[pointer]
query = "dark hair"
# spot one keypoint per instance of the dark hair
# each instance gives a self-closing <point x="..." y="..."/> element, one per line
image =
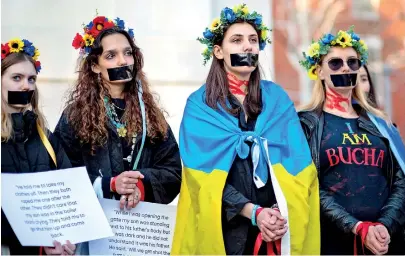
<point x="86" y="111"/>
<point x="217" y="85"/>
<point x="371" y="94"/>
<point x="15" y="58"/>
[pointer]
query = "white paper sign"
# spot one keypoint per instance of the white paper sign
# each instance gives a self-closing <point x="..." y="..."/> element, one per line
<point x="146" y="229"/>
<point x="55" y="205"/>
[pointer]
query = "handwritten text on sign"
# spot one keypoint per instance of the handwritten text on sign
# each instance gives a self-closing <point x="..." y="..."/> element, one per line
<point x="56" y="205"/>
<point x="145" y="230"/>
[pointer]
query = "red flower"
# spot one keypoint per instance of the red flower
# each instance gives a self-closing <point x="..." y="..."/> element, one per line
<point x="78" y="41"/>
<point x="37" y="63"/>
<point x="100" y="23"/>
<point x="5" y="49"/>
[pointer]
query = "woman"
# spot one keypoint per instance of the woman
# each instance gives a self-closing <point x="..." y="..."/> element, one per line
<point x="241" y="145"/>
<point x="26" y="144"/>
<point x="112" y="124"/>
<point x="367" y="86"/>
<point x="362" y="186"/>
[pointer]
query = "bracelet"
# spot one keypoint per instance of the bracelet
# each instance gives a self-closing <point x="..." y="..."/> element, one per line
<point x="253" y="217"/>
<point x="258" y="211"/>
<point x="113" y="188"/>
<point x="141" y="188"/>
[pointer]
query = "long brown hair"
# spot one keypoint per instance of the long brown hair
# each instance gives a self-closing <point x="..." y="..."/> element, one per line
<point x="217" y="86"/>
<point x="6" y="121"/>
<point x="85" y="106"/>
<point x="371" y="94"/>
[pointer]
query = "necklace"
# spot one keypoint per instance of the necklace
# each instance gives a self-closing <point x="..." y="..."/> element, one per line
<point x="121" y="127"/>
<point x="129" y="157"/>
<point x="123" y="109"/>
<point x="112" y="115"/>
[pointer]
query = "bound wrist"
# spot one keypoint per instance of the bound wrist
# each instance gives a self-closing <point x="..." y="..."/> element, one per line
<point x="113" y="185"/>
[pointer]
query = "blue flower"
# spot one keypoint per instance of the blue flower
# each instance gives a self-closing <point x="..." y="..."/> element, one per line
<point x="262" y="45"/>
<point x="90" y="25"/>
<point x="208" y="34"/>
<point x="38" y="69"/>
<point x="258" y="20"/>
<point x="355" y="36"/>
<point x="131" y="32"/>
<point x="87" y="49"/>
<point x="326" y="39"/>
<point x="229" y="14"/>
<point x="120" y="23"/>
<point x="26" y="43"/>
<point x="310" y="60"/>
<point x="30" y="50"/>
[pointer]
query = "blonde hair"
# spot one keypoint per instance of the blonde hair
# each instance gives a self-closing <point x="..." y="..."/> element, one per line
<point x="6" y="121"/>
<point x="318" y="99"/>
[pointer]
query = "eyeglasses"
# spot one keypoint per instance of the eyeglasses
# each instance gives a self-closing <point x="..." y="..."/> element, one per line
<point x="336" y="63"/>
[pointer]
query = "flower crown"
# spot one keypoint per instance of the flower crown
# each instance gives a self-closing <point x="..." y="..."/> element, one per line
<point x="91" y="31"/>
<point x="318" y="49"/>
<point x="23" y="46"/>
<point x="228" y="17"/>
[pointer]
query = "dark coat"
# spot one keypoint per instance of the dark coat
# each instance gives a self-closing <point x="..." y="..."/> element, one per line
<point x="25" y="153"/>
<point x="159" y="163"/>
<point x="392" y="215"/>
<point x="238" y="232"/>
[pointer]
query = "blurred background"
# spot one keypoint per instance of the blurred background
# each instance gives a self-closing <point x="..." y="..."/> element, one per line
<point x="166" y="31"/>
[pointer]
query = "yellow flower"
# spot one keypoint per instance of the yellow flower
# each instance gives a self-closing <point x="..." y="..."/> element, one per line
<point x="88" y="39"/>
<point x="344" y="39"/>
<point x="206" y="51"/>
<point x="122" y="131"/>
<point x="312" y="73"/>
<point x="215" y="24"/>
<point x="264" y="34"/>
<point x="333" y="42"/>
<point x="245" y="10"/>
<point x="36" y="54"/>
<point x="313" y="50"/>
<point x="363" y="44"/>
<point x="16" y="45"/>
<point x="238" y="7"/>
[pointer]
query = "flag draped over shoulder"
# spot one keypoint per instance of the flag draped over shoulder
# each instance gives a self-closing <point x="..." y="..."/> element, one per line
<point x="209" y="142"/>
<point x="391" y="133"/>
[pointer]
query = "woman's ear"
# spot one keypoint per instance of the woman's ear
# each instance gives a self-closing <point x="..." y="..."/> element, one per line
<point x="218" y="52"/>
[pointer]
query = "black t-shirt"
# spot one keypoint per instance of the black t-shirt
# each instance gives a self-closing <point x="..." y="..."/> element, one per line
<point x="352" y="167"/>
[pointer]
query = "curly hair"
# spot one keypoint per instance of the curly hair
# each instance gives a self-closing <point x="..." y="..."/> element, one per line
<point x="86" y="111"/>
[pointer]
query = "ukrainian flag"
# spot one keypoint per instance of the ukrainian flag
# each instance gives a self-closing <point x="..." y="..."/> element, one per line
<point x="209" y="142"/>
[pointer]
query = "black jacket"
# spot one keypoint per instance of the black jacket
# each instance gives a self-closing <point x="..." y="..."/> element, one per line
<point x="238" y="233"/>
<point x="25" y="153"/>
<point x="159" y="163"/>
<point x="392" y="215"/>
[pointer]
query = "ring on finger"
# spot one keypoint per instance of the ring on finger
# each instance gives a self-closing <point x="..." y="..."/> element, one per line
<point x="124" y="197"/>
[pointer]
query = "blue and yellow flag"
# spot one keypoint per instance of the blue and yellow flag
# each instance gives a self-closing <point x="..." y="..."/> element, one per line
<point x="209" y="142"/>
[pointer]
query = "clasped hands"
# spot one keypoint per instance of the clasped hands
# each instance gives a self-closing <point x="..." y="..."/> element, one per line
<point x="271" y="224"/>
<point x="126" y="186"/>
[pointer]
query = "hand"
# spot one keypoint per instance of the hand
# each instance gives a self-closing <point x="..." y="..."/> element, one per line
<point x="382" y="235"/>
<point x="67" y="249"/>
<point x="271" y="224"/>
<point x="125" y="183"/>
<point x="373" y="244"/>
<point x="133" y="199"/>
